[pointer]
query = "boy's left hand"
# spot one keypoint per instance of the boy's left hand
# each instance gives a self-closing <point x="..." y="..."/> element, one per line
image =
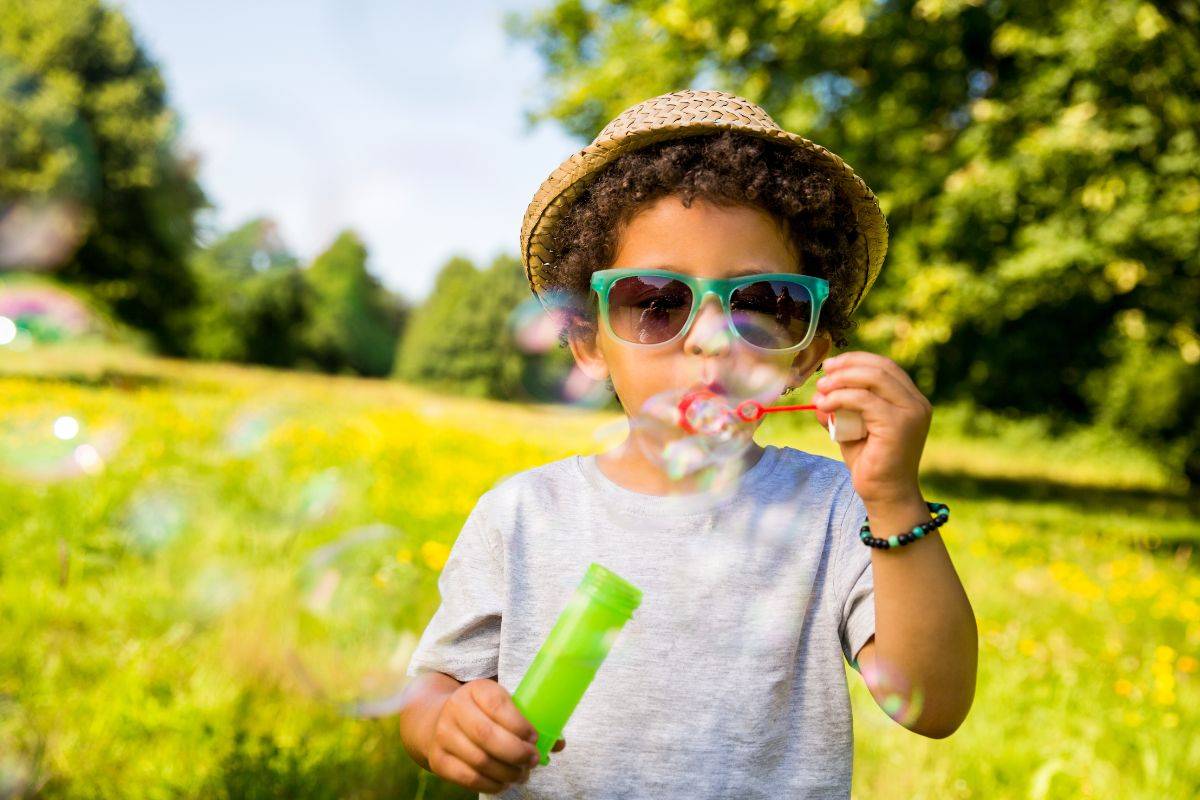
<point x="884" y="465"/>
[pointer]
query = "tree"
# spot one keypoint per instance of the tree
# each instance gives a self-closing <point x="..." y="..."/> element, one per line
<point x="460" y="338"/>
<point x="1037" y="163"/>
<point x="254" y="303"/>
<point x="355" y="321"/>
<point x="84" y="124"/>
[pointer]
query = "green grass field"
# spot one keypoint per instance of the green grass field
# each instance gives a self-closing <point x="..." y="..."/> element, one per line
<point x="141" y="658"/>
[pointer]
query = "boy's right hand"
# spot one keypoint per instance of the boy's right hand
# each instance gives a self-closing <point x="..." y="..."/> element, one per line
<point x="481" y="740"/>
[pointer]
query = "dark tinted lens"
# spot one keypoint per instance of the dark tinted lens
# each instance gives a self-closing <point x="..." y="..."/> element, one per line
<point x="772" y="314"/>
<point x="648" y="309"/>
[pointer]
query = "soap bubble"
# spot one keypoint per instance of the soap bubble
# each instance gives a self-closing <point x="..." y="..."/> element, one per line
<point x="250" y="428"/>
<point x="899" y="699"/>
<point x="213" y="590"/>
<point x="34" y="312"/>
<point x="548" y="372"/>
<point x="612" y="434"/>
<point x="353" y="602"/>
<point x="46" y="219"/>
<point x="154" y="518"/>
<point x="39" y="235"/>
<point x="695" y="432"/>
<point x="719" y="438"/>
<point x="320" y="496"/>
<point x="55" y="447"/>
<point x="66" y="427"/>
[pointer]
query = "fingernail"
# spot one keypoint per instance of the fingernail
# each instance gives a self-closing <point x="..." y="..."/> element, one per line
<point x="534" y="759"/>
<point x="533" y="737"/>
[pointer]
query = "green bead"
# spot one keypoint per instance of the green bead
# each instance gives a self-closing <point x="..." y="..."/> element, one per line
<point x="894" y="541"/>
<point x="919" y="532"/>
<point x="915" y="529"/>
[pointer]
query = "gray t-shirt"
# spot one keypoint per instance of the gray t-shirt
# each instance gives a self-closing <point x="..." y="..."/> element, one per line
<point x="729" y="680"/>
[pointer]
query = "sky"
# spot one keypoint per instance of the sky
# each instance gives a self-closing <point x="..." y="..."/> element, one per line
<point x="403" y="121"/>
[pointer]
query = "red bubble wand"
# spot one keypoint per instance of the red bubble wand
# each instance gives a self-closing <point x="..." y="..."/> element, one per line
<point x="852" y="427"/>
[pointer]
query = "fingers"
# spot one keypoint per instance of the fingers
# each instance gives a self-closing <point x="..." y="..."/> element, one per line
<point x="869" y="370"/>
<point x="461" y="747"/>
<point x="496" y="702"/>
<point x="869" y="404"/>
<point x="495" y="740"/>
<point x="454" y="769"/>
<point x="882" y="383"/>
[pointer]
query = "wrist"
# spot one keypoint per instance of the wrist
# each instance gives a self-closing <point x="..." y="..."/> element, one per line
<point x="426" y="698"/>
<point x="898" y="504"/>
<point x="902" y="524"/>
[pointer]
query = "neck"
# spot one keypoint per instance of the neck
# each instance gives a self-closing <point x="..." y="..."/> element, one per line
<point x="628" y="466"/>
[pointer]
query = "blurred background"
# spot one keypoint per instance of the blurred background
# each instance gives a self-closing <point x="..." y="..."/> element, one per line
<point x="237" y="379"/>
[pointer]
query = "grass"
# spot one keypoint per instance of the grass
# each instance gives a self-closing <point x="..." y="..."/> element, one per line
<point x="143" y="648"/>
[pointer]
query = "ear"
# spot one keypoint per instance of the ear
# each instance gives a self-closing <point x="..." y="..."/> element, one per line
<point x="808" y="359"/>
<point x="584" y="340"/>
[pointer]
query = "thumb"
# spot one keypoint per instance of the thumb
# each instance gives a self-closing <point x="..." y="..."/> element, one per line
<point x="822" y="417"/>
<point x="559" y="745"/>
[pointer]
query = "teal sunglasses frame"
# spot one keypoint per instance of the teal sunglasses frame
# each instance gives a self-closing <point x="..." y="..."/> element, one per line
<point x="818" y="289"/>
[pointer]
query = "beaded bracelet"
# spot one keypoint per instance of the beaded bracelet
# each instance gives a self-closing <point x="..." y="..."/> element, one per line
<point x="942" y="512"/>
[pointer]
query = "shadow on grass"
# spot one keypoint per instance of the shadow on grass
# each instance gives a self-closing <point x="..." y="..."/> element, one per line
<point x="107" y="379"/>
<point x="1169" y="506"/>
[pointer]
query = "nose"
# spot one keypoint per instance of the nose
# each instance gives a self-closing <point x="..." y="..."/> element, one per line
<point x="709" y="334"/>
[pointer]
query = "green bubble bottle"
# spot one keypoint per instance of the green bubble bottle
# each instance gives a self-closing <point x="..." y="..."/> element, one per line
<point x="567" y="662"/>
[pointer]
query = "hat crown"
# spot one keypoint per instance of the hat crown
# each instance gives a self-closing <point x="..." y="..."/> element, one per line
<point x="684" y="108"/>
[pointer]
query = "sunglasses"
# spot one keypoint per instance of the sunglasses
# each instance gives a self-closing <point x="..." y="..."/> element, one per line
<point x="775" y="311"/>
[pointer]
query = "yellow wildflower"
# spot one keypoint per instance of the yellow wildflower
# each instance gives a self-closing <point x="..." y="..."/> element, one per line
<point x="435" y="554"/>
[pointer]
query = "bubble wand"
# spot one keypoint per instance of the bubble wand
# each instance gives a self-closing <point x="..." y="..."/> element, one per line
<point x="851" y="428"/>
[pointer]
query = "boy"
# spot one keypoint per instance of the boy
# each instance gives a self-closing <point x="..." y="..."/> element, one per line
<point x="729" y="679"/>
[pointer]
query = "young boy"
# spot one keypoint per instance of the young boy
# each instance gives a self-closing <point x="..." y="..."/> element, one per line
<point x="729" y="680"/>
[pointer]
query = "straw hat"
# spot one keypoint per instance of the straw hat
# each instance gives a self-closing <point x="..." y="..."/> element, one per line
<point x="674" y="116"/>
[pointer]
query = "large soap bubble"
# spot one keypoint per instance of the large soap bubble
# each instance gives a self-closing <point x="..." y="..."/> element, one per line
<point x="49" y="171"/>
<point x="546" y="371"/>
<point x="353" y="602"/>
<point x="54" y="446"/>
<point x="35" y="312"/>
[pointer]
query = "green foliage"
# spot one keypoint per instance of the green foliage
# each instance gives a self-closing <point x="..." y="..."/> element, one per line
<point x="84" y="123"/>
<point x="355" y="322"/>
<point x="254" y="302"/>
<point x="461" y="339"/>
<point x="1037" y="163"/>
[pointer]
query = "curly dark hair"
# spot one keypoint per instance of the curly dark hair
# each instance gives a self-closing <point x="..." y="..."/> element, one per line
<point x="726" y="168"/>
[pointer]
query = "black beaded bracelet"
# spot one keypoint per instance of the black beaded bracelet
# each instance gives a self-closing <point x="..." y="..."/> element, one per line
<point x="941" y="512"/>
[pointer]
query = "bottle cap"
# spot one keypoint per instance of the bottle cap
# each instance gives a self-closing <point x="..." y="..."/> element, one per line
<point x="611" y="588"/>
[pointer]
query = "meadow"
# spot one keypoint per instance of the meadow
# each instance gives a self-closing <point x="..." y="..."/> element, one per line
<point x="140" y="610"/>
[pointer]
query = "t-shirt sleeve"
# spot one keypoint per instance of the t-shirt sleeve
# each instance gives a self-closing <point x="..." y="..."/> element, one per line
<point x="462" y="639"/>
<point x="853" y="578"/>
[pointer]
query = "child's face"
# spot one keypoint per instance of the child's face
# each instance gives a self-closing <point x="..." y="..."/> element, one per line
<point x="705" y="240"/>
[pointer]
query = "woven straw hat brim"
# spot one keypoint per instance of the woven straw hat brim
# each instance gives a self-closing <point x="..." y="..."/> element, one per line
<point x="673" y="116"/>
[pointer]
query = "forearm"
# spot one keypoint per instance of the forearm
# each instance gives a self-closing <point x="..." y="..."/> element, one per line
<point x="424" y="697"/>
<point x="924" y="626"/>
